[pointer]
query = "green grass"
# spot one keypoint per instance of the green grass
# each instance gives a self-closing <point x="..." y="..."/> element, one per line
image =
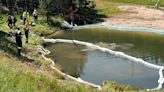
<point x="23" y="77"/>
<point x="40" y="29"/>
<point x="139" y="2"/>
<point x="43" y="28"/>
<point x="106" y="8"/>
<point x="109" y="7"/>
<point x="18" y="77"/>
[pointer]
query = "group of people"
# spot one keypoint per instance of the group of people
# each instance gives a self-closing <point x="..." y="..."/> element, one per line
<point x="26" y="17"/>
<point x="25" y="20"/>
<point x="18" y="33"/>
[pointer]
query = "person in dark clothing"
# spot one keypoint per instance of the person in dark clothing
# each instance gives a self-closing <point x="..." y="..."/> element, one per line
<point x="26" y="31"/>
<point x="18" y="38"/>
<point x="14" y="20"/>
<point x="10" y="22"/>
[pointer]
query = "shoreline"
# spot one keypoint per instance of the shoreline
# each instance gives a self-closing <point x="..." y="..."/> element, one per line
<point x="46" y="52"/>
<point x="120" y="28"/>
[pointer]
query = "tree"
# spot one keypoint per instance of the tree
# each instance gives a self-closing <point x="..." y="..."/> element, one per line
<point x="85" y="9"/>
<point x="9" y="4"/>
<point x="13" y="5"/>
<point x="28" y="5"/>
<point x="45" y="8"/>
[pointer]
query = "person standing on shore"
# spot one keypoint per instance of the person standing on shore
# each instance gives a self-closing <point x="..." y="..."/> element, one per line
<point x="35" y="16"/>
<point x="73" y="11"/>
<point x="25" y="17"/>
<point x="26" y="31"/>
<point x="14" y="20"/>
<point x="18" y="38"/>
<point x="10" y="22"/>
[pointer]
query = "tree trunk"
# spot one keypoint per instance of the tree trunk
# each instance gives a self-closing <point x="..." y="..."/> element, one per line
<point x="47" y="12"/>
<point x="157" y="4"/>
<point x="47" y="17"/>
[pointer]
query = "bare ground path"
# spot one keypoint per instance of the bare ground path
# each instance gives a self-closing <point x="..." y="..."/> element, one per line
<point x="138" y="16"/>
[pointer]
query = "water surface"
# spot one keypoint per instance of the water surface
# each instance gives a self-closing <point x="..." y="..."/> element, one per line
<point x="96" y="66"/>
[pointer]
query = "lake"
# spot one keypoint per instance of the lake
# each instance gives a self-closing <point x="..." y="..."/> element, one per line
<point x="96" y="66"/>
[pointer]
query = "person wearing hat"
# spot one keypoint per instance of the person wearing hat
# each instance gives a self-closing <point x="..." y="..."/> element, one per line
<point x="18" y="38"/>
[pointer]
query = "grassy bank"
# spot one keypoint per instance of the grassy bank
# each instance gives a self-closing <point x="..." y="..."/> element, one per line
<point x="41" y="28"/>
<point x="21" y="74"/>
<point x="106" y="8"/>
<point x="23" y="77"/>
<point x="109" y="7"/>
<point x="18" y="76"/>
<point x="139" y="2"/>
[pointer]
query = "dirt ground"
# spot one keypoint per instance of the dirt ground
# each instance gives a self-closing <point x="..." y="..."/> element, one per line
<point x="138" y="16"/>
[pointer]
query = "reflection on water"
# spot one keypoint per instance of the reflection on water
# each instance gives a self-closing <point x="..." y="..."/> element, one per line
<point x="96" y="66"/>
<point x="68" y="57"/>
<point x="148" y="46"/>
<point x="101" y="66"/>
